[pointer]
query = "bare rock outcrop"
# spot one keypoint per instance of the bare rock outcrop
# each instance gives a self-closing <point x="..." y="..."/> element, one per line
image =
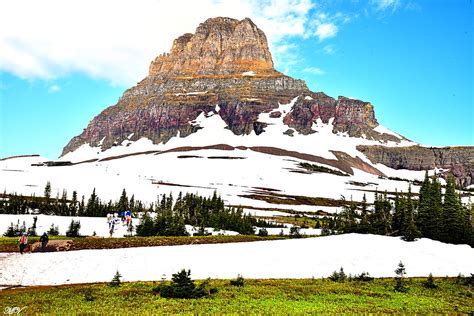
<point x="458" y="161"/>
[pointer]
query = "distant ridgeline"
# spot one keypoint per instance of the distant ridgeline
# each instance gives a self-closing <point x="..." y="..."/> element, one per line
<point x="432" y="215"/>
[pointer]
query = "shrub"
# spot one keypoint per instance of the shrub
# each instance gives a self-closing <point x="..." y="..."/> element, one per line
<point x="338" y="276"/>
<point x="429" y="283"/>
<point x="13" y="230"/>
<point x="238" y="282"/>
<point x="363" y="277"/>
<point x="73" y="230"/>
<point x="263" y="232"/>
<point x="183" y="287"/>
<point x="295" y="232"/>
<point x="116" y="280"/>
<point x="88" y="295"/>
<point x="53" y="230"/>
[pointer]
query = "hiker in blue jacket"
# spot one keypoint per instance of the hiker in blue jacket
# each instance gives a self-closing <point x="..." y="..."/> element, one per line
<point x="44" y="241"/>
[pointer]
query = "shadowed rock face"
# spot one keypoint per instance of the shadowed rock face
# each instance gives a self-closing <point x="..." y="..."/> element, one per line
<point x="459" y="161"/>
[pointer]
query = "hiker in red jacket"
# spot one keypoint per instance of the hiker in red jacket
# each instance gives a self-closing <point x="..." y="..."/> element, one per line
<point x="23" y="240"/>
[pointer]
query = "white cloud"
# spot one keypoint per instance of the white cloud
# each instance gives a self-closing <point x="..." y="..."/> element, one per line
<point x="314" y="71"/>
<point x="116" y="40"/>
<point x="383" y="5"/>
<point x="326" y="30"/>
<point x="54" y="88"/>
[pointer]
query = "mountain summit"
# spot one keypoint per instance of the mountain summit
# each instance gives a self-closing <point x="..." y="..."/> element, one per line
<point x="226" y="62"/>
<point x="219" y="47"/>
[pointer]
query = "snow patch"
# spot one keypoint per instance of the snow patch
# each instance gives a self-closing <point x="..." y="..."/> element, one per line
<point x="383" y="130"/>
<point x="191" y="93"/>
<point x="248" y="73"/>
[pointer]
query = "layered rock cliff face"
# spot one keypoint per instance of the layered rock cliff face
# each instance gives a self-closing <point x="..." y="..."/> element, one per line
<point x="458" y="161"/>
<point x="226" y="62"/>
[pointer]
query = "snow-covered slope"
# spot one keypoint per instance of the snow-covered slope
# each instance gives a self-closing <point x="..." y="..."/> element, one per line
<point x="295" y="258"/>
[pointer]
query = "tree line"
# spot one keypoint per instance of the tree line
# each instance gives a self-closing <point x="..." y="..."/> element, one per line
<point x="165" y="217"/>
<point x="433" y="215"/>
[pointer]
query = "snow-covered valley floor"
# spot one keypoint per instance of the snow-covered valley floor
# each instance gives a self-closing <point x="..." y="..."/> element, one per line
<point x="294" y="258"/>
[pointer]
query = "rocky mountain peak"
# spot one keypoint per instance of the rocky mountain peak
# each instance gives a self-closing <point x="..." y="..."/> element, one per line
<point x="219" y="47"/>
<point x="226" y="62"/>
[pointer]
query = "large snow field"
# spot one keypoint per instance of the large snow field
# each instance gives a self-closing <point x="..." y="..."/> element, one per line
<point x="293" y="258"/>
<point x="140" y="175"/>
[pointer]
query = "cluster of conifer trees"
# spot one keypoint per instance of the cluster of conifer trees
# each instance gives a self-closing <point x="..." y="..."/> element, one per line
<point x="170" y="217"/>
<point x="93" y="207"/>
<point x="433" y="215"/>
<point x="166" y="217"/>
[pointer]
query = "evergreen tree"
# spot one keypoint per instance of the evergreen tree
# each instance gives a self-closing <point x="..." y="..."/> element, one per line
<point x="398" y="218"/>
<point x="92" y="204"/>
<point x="47" y="196"/>
<point x="122" y="205"/>
<point x="451" y="216"/>
<point x="434" y="217"/>
<point x="73" y="204"/>
<point x="400" y="278"/>
<point x="116" y="282"/>
<point x="364" y="217"/>
<point x="63" y="207"/>
<point x="424" y="207"/>
<point x="409" y="230"/>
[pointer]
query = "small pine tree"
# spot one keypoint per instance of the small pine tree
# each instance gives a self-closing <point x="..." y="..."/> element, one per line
<point x="238" y="282"/>
<point x="116" y="280"/>
<point x="263" y="232"/>
<point x="400" y="278"/>
<point x="53" y="230"/>
<point x="181" y="287"/>
<point x="338" y="276"/>
<point x="429" y="283"/>
<point x="295" y="232"/>
<point x="73" y="230"/>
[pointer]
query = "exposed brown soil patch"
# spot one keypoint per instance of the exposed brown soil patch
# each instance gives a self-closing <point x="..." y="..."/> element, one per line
<point x="52" y="246"/>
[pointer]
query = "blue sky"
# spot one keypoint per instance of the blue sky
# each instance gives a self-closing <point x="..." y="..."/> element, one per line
<point x="412" y="59"/>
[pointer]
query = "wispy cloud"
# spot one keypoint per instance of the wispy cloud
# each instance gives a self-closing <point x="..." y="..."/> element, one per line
<point x="384" y="5"/>
<point x="54" y="88"/>
<point x="326" y="30"/>
<point x="314" y="71"/>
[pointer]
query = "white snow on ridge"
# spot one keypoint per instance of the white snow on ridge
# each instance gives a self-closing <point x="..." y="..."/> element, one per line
<point x="378" y="255"/>
<point x="383" y="130"/>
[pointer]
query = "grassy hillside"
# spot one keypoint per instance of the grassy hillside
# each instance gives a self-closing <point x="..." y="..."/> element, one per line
<point x="256" y="297"/>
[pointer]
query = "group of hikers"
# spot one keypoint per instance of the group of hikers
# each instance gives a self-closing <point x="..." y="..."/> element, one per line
<point x="23" y="241"/>
<point x="113" y="220"/>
